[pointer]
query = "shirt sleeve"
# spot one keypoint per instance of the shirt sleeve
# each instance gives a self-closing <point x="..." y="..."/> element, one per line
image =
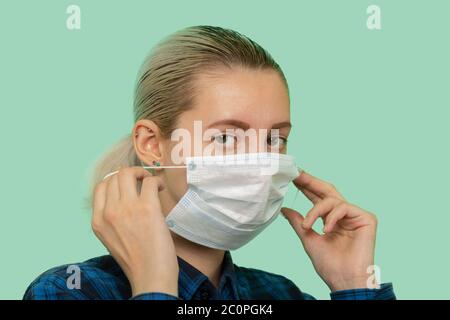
<point x="385" y="292"/>
<point x="154" y="296"/>
<point x="52" y="288"/>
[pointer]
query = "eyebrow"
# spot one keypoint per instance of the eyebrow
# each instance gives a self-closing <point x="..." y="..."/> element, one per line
<point x="282" y="125"/>
<point x="246" y="126"/>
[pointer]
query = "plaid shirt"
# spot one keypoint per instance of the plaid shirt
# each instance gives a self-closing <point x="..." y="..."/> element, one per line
<point x="102" y="278"/>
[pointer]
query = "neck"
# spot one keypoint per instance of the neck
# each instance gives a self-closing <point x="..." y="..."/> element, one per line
<point x="207" y="260"/>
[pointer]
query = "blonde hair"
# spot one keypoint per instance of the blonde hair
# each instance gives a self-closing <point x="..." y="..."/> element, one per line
<point x="165" y="84"/>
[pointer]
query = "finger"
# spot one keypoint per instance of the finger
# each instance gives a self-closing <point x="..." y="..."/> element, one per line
<point x="150" y="188"/>
<point x="317" y="186"/>
<point x="112" y="191"/>
<point x="321" y="209"/>
<point x="295" y="219"/>
<point x="99" y="201"/>
<point x="128" y="181"/>
<point x="352" y="216"/>
<point x="339" y="212"/>
<point x="311" y="196"/>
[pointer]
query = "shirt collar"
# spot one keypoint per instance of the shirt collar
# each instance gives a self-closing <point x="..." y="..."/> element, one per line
<point x="190" y="278"/>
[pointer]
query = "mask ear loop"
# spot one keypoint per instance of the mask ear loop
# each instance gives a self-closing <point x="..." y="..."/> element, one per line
<point x="296" y="194"/>
<point x="295" y="198"/>
<point x="150" y="168"/>
<point x="163" y="167"/>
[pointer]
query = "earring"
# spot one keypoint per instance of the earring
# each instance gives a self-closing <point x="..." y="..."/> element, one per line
<point x="156" y="163"/>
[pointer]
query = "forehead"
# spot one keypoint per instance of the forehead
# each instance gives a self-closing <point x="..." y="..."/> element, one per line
<point x="258" y="97"/>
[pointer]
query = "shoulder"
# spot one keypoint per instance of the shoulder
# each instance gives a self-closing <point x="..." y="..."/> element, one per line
<point x="96" y="278"/>
<point x="260" y="284"/>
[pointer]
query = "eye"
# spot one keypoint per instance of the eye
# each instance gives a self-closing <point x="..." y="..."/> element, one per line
<point x="276" y="141"/>
<point x="225" y="139"/>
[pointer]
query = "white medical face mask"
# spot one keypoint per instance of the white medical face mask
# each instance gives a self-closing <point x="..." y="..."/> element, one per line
<point x="232" y="198"/>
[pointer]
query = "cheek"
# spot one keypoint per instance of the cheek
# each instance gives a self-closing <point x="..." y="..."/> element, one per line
<point x="175" y="181"/>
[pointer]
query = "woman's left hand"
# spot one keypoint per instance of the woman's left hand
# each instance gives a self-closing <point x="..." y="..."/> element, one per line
<point x="343" y="253"/>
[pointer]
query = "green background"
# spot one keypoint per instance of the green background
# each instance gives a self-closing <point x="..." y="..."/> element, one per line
<point x="370" y="112"/>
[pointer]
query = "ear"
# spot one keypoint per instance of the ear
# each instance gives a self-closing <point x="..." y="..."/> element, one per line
<point x="148" y="142"/>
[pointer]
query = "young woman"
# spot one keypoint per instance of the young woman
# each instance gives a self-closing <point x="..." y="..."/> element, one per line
<point x="170" y="230"/>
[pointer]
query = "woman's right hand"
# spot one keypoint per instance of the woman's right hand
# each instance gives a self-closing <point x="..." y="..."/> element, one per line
<point x="133" y="229"/>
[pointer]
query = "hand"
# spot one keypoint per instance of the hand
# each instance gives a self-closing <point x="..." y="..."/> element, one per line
<point x="132" y="227"/>
<point x="343" y="253"/>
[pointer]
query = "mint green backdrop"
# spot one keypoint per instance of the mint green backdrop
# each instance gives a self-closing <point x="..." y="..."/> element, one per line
<point x="370" y="110"/>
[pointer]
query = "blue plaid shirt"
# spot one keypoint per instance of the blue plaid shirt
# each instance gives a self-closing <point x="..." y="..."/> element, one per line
<point x="102" y="278"/>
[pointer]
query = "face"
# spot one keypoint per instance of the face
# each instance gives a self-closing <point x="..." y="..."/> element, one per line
<point x="235" y="111"/>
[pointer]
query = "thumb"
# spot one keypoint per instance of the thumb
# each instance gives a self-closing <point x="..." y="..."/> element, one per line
<point x="295" y="219"/>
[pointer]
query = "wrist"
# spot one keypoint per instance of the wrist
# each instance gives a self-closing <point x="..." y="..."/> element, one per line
<point x="155" y="287"/>
<point x="357" y="282"/>
<point x="169" y="286"/>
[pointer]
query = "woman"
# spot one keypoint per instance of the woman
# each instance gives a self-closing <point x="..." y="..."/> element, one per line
<point x="219" y="80"/>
